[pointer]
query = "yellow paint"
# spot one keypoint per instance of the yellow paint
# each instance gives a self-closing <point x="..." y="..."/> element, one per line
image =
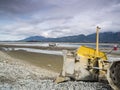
<point x="90" y="53"/>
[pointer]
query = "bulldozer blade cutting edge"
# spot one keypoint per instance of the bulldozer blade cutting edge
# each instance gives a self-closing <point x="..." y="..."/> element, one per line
<point x="61" y="79"/>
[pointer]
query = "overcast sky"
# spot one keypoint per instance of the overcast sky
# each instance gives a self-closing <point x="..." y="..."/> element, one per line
<point x="56" y="18"/>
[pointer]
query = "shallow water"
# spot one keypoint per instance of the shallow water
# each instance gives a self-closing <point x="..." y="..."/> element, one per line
<point x="37" y="51"/>
<point x="46" y="44"/>
<point x="43" y="47"/>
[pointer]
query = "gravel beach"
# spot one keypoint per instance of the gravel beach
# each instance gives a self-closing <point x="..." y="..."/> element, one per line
<point x="19" y="75"/>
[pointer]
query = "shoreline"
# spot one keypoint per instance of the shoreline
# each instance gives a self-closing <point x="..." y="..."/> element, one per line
<point x="38" y="47"/>
<point x="57" y="48"/>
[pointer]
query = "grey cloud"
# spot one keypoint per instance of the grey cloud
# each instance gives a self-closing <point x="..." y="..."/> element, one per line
<point x="56" y="18"/>
<point x="51" y="8"/>
<point x="57" y="29"/>
<point x="22" y="6"/>
<point x="45" y="19"/>
<point x="65" y="6"/>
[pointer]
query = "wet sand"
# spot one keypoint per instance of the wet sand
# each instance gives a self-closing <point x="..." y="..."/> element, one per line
<point x="47" y="61"/>
<point x="39" y="47"/>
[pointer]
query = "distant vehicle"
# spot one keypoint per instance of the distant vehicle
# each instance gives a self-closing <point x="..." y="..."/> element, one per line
<point x="52" y="44"/>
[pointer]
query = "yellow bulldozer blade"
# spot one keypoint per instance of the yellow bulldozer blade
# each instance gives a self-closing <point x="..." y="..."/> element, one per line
<point x="90" y="53"/>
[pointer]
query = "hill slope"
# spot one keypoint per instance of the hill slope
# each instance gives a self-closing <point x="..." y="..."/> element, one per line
<point x="105" y="37"/>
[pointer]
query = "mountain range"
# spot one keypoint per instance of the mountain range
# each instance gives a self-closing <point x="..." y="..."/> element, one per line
<point x="105" y="37"/>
